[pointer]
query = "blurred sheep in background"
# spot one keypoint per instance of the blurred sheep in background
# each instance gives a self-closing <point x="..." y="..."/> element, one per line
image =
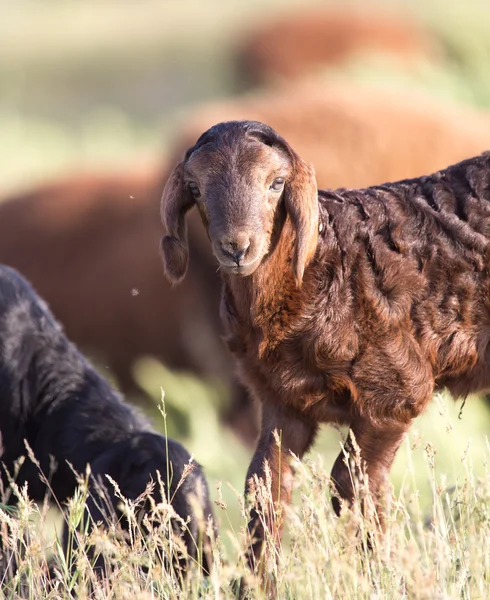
<point x="306" y="40"/>
<point x="89" y="243"/>
<point x="354" y="135"/>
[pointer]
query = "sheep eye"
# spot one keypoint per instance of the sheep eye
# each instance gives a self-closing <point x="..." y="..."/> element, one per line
<point x="194" y="189"/>
<point x="277" y="184"/>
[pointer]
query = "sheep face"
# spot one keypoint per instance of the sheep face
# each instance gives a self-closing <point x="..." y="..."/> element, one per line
<point x="239" y="174"/>
<point x="237" y="194"/>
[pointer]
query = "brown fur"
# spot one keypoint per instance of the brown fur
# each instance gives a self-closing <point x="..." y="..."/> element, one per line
<point x="85" y="243"/>
<point x="394" y="301"/>
<point x="302" y="42"/>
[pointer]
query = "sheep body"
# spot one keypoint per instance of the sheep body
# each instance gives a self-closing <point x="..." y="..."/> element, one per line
<point x="53" y="400"/>
<point x="387" y="300"/>
<point x="90" y="246"/>
<point x="398" y="284"/>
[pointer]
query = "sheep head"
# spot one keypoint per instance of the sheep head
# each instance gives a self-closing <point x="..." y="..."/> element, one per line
<point x="239" y="173"/>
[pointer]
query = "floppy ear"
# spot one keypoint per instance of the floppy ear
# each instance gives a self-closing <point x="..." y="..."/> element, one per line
<point x="301" y="200"/>
<point x="176" y="201"/>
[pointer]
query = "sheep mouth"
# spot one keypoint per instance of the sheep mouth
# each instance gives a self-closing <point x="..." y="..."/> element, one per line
<point x="241" y="270"/>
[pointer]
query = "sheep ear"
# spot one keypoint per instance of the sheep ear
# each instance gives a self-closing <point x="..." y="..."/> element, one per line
<point x="176" y="201"/>
<point x="301" y="200"/>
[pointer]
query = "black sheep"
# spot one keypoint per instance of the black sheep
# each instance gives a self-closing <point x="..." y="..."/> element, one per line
<point x="54" y="401"/>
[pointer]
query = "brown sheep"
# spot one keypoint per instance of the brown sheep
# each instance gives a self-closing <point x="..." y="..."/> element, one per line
<point x="89" y="242"/>
<point x="348" y="306"/>
<point x="301" y="42"/>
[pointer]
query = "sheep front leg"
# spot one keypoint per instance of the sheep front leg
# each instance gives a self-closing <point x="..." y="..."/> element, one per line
<point x="377" y="446"/>
<point x="282" y="433"/>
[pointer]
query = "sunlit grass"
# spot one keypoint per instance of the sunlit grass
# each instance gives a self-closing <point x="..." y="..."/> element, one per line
<point x="442" y="551"/>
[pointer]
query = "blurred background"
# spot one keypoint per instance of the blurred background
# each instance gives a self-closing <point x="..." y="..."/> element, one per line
<point x="99" y="97"/>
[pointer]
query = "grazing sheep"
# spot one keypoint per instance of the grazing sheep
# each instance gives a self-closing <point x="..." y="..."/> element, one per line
<point x="132" y="463"/>
<point x="89" y="243"/>
<point x="349" y="306"/>
<point x="53" y="400"/>
<point x="303" y="41"/>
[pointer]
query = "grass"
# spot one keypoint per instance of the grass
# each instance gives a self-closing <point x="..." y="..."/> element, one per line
<point x="451" y="430"/>
<point x="439" y="552"/>
<point x="436" y="545"/>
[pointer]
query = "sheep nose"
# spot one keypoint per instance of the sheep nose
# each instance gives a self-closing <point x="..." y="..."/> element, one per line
<point x="236" y="248"/>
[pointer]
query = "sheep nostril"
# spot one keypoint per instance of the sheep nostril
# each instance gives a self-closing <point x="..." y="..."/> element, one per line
<point x="235" y="250"/>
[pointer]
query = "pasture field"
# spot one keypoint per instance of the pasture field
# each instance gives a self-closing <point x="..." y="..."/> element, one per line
<point x="92" y="84"/>
<point x="441" y="551"/>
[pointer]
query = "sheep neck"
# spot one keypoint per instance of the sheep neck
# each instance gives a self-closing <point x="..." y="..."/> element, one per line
<point x="268" y="300"/>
